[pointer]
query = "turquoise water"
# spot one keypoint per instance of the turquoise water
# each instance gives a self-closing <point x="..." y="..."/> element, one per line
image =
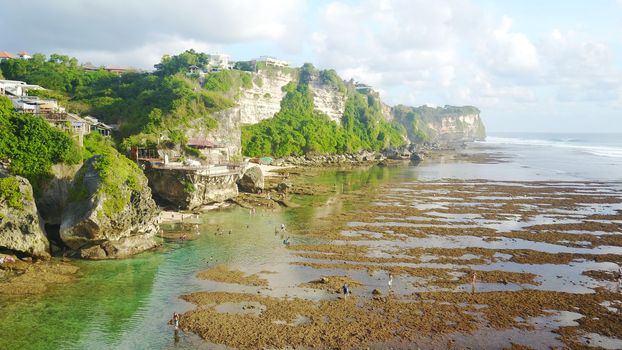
<point x="126" y="304"/>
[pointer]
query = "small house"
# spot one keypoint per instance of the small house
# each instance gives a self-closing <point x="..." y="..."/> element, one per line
<point x="24" y="55"/>
<point x="6" y="56"/>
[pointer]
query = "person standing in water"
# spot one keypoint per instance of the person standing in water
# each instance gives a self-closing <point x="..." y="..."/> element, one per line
<point x="346" y="290"/>
<point x="176" y="321"/>
<point x="390" y="283"/>
<point x="473" y="281"/>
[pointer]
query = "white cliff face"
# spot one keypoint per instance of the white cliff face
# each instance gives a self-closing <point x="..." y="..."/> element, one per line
<point x="458" y="128"/>
<point x="328" y="100"/>
<point x="260" y="102"/>
<point x="263" y="100"/>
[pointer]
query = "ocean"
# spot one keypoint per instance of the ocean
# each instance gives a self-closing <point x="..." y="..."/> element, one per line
<point x="563" y="155"/>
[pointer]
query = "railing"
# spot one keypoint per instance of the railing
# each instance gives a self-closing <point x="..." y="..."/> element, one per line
<point x="222" y="169"/>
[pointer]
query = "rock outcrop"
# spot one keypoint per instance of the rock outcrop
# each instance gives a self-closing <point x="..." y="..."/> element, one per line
<point x="190" y="189"/>
<point x="328" y="100"/>
<point x="252" y="181"/>
<point x="51" y="201"/>
<point x="363" y="157"/>
<point x="447" y="126"/>
<point x="253" y="105"/>
<point x="20" y="226"/>
<point x="109" y="212"/>
<point x="441" y="127"/>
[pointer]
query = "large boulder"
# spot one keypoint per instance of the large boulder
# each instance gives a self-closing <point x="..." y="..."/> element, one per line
<point x="109" y="211"/>
<point x="252" y="180"/>
<point x="20" y="227"/>
<point x="191" y="188"/>
<point x="54" y="192"/>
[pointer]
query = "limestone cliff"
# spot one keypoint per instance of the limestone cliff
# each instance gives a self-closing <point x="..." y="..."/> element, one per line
<point x="20" y="226"/>
<point x="263" y="101"/>
<point x="443" y="126"/>
<point x="109" y="212"/>
<point x="253" y="105"/>
<point x="328" y="99"/>
<point x="440" y="126"/>
<point x="51" y="201"/>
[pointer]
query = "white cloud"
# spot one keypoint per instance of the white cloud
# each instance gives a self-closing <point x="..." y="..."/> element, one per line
<point x="117" y="28"/>
<point x="413" y="51"/>
<point x="509" y="52"/>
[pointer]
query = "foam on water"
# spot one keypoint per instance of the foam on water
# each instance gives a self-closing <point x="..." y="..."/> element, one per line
<point x="569" y="143"/>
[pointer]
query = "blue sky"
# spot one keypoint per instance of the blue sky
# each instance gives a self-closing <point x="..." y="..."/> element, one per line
<point x="551" y="66"/>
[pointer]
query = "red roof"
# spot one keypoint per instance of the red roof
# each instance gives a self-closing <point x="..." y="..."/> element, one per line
<point x="4" y="54"/>
<point x="23" y="53"/>
<point x="197" y="142"/>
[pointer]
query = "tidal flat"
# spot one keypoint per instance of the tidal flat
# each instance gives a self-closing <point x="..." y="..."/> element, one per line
<point x="475" y="263"/>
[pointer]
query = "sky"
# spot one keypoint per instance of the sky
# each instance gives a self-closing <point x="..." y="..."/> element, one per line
<point x="547" y="66"/>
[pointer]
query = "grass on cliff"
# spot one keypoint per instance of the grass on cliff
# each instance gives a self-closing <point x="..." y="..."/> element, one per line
<point x="119" y="176"/>
<point x="10" y="194"/>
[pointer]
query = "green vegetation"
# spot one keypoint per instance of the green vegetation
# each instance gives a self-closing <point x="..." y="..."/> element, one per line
<point x="165" y="103"/>
<point x="330" y="77"/>
<point x="119" y="176"/>
<point x="116" y="173"/>
<point x="171" y="65"/>
<point x="299" y="129"/>
<point x="9" y="192"/>
<point x="188" y="186"/>
<point x="228" y="80"/>
<point x="33" y="145"/>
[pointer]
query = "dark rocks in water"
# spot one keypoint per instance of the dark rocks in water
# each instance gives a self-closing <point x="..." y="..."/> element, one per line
<point x="252" y="181"/>
<point x="376" y="292"/>
<point x="21" y="229"/>
<point x="417" y="157"/>
<point x="283" y="187"/>
<point x="101" y="223"/>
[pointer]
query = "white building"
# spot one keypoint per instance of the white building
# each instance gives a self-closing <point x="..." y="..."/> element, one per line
<point x="272" y="61"/>
<point x="96" y="125"/>
<point x="24" y="55"/>
<point x="36" y="105"/>
<point x="16" y="88"/>
<point x="218" y="62"/>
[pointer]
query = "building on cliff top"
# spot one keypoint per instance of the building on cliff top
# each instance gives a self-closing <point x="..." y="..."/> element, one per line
<point x="6" y="56"/>
<point x="272" y="61"/>
<point x="16" y="88"/>
<point x="88" y="66"/>
<point x="217" y="61"/>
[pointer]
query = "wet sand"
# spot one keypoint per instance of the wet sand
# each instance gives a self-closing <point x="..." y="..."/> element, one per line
<point x="545" y="257"/>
